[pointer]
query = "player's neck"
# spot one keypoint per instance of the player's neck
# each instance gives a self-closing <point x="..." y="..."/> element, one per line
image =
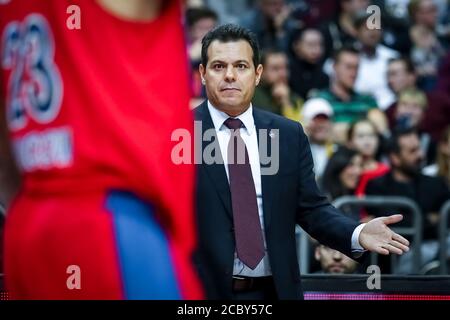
<point x="137" y="10"/>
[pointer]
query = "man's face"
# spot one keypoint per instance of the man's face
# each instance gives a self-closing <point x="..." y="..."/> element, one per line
<point x="319" y="129"/>
<point x="201" y="28"/>
<point x="398" y="77"/>
<point x="333" y="261"/>
<point x="410" y="158"/>
<point x="230" y="76"/>
<point x="276" y="69"/>
<point x="346" y="69"/>
<point x="427" y="14"/>
<point x="369" y="37"/>
<point x="271" y="8"/>
<point x="309" y="47"/>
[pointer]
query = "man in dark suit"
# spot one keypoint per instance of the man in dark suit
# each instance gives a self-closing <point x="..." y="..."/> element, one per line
<point x="247" y="208"/>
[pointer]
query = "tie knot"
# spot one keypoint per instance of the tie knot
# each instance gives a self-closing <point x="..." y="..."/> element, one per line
<point x="233" y="123"/>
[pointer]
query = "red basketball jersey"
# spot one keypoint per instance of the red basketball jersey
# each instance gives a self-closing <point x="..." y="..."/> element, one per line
<point x="92" y="101"/>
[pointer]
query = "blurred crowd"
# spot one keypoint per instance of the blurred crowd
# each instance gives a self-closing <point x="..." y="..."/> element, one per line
<point x="370" y="83"/>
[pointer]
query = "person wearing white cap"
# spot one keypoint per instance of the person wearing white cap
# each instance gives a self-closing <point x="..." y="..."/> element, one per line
<point x="317" y="115"/>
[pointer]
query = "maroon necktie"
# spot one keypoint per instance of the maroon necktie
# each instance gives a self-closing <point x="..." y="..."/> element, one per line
<point x="247" y="227"/>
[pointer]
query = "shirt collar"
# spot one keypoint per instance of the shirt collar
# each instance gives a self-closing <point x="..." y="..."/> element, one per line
<point x="218" y="117"/>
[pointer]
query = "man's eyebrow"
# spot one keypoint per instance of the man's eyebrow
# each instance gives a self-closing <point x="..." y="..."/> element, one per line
<point x="217" y="61"/>
<point x="224" y="62"/>
<point x="242" y="61"/>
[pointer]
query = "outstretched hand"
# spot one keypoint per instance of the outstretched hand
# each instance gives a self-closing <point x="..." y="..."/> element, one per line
<point x="376" y="236"/>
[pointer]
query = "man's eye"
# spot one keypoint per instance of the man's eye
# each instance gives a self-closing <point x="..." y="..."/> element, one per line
<point x="241" y="66"/>
<point x="218" y="66"/>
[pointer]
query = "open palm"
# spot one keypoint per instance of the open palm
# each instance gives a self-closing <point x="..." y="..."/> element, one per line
<point x="376" y="236"/>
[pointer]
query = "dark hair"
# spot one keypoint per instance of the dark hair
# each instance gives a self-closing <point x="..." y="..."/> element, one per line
<point x="266" y="53"/>
<point x="360" y="19"/>
<point x="298" y="34"/>
<point x="346" y="49"/>
<point x="338" y="162"/>
<point x="393" y="146"/>
<point x="193" y="15"/>
<point x="408" y="63"/>
<point x="229" y="33"/>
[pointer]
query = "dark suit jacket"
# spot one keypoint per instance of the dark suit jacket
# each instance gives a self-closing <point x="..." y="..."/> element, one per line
<point x="289" y="197"/>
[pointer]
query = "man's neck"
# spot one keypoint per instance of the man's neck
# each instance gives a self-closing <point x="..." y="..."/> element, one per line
<point x="340" y="91"/>
<point x="369" y="51"/>
<point x="229" y="112"/>
<point x="400" y="176"/>
<point x="137" y="10"/>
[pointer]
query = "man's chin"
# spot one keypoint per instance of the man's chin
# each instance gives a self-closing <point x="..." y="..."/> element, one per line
<point x="412" y="172"/>
<point x="336" y="270"/>
<point x="232" y="105"/>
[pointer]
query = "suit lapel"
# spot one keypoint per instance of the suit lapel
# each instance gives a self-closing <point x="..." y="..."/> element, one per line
<point x="216" y="171"/>
<point x="268" y="182"/>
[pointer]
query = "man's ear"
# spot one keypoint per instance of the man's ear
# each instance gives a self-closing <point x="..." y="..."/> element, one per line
<point x="259" y="71"/>
<point x="317" y="253"/>
<point x="202" y="71"/>
<point x="395" y="160"/>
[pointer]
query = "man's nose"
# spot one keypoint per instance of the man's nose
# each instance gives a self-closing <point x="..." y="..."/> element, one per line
<point x="230" y="74"/>
<point x="337" y="256"/>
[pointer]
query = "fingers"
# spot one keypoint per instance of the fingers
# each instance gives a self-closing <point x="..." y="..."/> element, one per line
<point x="393" y="219"/>
<point x="381" y="250"/>
<point x="392" y="249"/>
<point x="399" y="245"/>
<point x="400" y="239"/>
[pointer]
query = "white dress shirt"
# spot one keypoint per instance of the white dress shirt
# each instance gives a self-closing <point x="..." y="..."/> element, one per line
<point x="372" y="76"/>
<point x="249" y="135"/>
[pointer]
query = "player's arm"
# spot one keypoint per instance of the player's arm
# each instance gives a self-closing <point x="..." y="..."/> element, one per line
<point x="9" y="174"/>
<point x="133" y="9"/>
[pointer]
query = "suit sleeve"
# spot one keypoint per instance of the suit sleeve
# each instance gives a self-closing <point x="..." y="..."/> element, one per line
<point x="314" y="213"/>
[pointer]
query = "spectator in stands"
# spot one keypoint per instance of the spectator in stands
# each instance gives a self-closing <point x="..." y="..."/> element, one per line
<point x="428" y="46"/>
<point x="230" y="11"/>
<point x="349" y="106"/>
<point x="341" y="178"/>
<point x="342" y="173"/>
<point x="271" y="22"/>
<point x="410" y="111"/>
<point x="402" y="76"/>
<point x="307" y="62"/>
<point x="426" y="13"/>
<point x="317" y="117"/>
<point x="405" y="180"/>
<point x="199" y="21"/>
<point x="363" y="137"/>
<point x="443" y="157"/>
<point x="341" y="32"/>
<point x="395" y="22"/>
<point x="332" y="261"/>
<point x="442" y="167"/>
<point x="273" y="93"/>
<point x="312" y="13"/>
<point x="374" y="57"/>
